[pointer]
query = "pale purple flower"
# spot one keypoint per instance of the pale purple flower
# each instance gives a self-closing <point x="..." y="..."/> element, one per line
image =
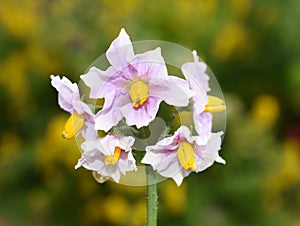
<point x="69" y="100"/>
<point x="177" y="156"/>
<point x="203" y="125"/>
<point x="109" y="156"/>
<point x="133" y="86"/>
<point x="194" y="73"/>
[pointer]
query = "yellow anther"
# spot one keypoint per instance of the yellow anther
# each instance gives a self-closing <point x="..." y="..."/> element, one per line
<point x="111" y="160"/>
<point x="138" y="93"/>
<point x="185" y="154"/>
<point x="215" y="104"/>
<point x="73" y="125"/>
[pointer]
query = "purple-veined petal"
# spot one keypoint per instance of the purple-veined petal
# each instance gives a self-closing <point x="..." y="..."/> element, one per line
<point x="107" y="145"/>
<point x="159" y="158"/>
<point x="126" y="162"/>
<point x="163" y="155"/>
<point x="203" y="126"/>
<point x="173" y="90"/>
<point x="82" y="108"/>
<point x="125" y="143"/>
<point x="166" y="165"/>
<point x="110" y="115"/>
<point x="90" y="145"/>
<point x="200" y="101"/>
<point x="91" y="160"/>
<point x="88" y="132"/>
<point x="183" y="133"/>
<point x="68" y="92"/>
<point x="166" y="143"/>
<point x="206" y="155"/>
<point x="176" y="172"/>
<point x="194" y="73"/>
<point x="150" y="64"/>
<point x="112" y="172"/>
<point x="96" y="79"/>
<point x="142" y="115"/>
<point x="120" y="51"/>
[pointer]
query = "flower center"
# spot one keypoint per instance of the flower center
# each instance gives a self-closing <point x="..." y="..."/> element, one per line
<point x="215" y="104"/>
<point x="111" y="160"/>
<point x="185" y="154"/>
<point x="138" y="93"/>
<point x="73" y="125"/>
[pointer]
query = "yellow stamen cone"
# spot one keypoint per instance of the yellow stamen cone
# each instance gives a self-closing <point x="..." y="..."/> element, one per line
<point x="73" y="125"/>
<point x="111" y="160"/>
<point x="185" y="154"/>
<point x="138" y="93"/>
<point x="215" y="104"/>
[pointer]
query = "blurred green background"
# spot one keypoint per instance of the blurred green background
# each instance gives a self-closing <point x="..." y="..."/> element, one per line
<point x="253" y="48"/>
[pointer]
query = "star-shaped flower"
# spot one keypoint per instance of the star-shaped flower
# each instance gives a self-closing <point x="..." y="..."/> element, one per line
<point x="109" y="156"/>
<point x="177" y="156"/>
<point x="203" y="104"/>
<point x="134" y="85"/>
<point x="82" y="118"/>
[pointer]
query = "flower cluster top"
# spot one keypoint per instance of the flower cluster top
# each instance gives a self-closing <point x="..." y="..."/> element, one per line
<point x="133" y="88"/>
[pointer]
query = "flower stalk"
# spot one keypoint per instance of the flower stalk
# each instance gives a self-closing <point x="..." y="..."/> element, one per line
<point x="152" y="197"/>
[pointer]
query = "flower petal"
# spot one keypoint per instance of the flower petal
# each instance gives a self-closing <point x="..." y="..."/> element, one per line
<point x="96" y="79"/>
<point x="173" y="90"/>
<point x="88" y="132"/>
<point x="93" y="157"/>
<point x="163" y="156"/>
<point x="120" y="51"/>
<point x="68" y="92"/>
<point x="176" y="172"/>
<point x="150" y="64"/>
<point x="126" y="162"/>
<point x="107" y="145"/>
<point x="206" y="155"/>
<point x="143" y="115"/>
<point x="82" y="108"/>
<point x="203" y="126"/>
<point x="166" y="165"/>
<point x="110" y="115"/>
<point x="194" y="72"/>
<point x="125" y="143"/>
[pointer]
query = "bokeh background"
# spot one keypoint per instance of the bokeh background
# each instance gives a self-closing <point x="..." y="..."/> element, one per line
<point x="253" y="48"/>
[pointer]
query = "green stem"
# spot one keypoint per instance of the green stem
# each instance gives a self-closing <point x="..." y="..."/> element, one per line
<point x="152" y="198"/>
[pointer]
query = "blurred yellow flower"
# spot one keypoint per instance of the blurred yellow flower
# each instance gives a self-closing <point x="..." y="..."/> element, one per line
<point x="240" y="8"/>
<point x="20" y="18"/>
<point x="265" y="110"/>
<point x="36" y="54"/>
<point x="92" y="211"/>
<point x="196" y="10"/>
<point x="52" y="150"/>
<point x="174" y="197"/>
<point x="266" y="15"/>
<point x="115" y="209"/>
<point x="38" y="201"/>
<point x="87" y="186"/>
<point x="17" y="88"/>
<point x="138" y="211"/>
<point x="121" y="13"/>
<point x="285" y="176"/>
<point x="10" y="146"/>
<point x="234" y="41"/>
